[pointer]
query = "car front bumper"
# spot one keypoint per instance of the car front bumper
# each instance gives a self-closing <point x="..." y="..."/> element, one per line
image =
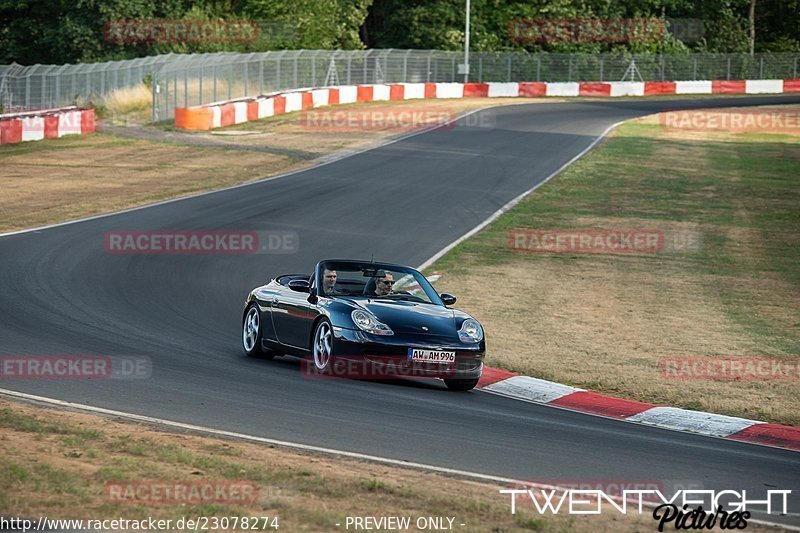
<point x="365" y="356"/>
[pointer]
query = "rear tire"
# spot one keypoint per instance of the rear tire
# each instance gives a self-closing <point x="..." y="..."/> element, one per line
<point x="461" y="384"/>
<point x="251" y="334"/>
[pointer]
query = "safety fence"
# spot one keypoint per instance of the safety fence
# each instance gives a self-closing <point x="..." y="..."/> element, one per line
<point x="184" y="80"/>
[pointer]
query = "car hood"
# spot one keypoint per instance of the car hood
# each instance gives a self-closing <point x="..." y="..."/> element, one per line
<point x="411" y="317"/>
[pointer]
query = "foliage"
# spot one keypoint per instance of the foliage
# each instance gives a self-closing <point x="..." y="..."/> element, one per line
<point x="69" y="31"/>
<point x="440" y="24"/>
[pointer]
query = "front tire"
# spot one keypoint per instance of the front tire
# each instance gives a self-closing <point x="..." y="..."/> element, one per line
<point x="461" y="384"/>
<point x="322" y="347"/>
<point x="251" y="334"/>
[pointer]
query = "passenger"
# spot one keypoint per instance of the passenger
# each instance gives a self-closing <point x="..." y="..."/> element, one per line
<point x="383" y="285"/>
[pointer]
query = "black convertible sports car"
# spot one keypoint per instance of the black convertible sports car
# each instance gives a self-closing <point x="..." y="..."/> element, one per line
<point x="364" y="319"/>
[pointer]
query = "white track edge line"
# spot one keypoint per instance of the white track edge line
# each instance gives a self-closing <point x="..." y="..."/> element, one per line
<point x="304" y="447"/>
<point x="516" y="200"/>
<point x="252" y="438"/>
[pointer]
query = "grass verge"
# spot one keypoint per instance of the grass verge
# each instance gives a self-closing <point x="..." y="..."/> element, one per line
<point x="62" y="464"/>
<point x="726" y="282"/>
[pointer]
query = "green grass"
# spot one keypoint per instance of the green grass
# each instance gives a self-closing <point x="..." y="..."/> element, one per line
<point x="749" y="182"/>
<point x="31" y="424"/>
<point x="65" y="143"/>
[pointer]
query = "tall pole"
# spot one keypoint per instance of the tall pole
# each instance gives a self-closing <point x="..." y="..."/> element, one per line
<point x="752" y="18"/>
<point x="466" y="48"/>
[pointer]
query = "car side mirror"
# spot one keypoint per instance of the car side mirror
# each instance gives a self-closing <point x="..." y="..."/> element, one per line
<point x="299" y="285"/>
<point x="448" y="299"/>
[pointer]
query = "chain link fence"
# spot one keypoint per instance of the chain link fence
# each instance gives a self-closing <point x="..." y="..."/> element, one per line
<point x="49" y="86"/>
<point x="181" y="80"/>
<point x="201" y="79"/>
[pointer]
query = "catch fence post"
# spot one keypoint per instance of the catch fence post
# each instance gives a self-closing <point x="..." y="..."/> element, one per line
<point x="428" y="77"/>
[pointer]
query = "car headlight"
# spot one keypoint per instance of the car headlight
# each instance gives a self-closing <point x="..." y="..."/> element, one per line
<point x="470" y="331"/>
<point x="367" y="322"/>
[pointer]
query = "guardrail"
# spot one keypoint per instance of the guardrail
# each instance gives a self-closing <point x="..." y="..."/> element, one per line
<point x="45" y="124"/>
<point x="237" y="111"/>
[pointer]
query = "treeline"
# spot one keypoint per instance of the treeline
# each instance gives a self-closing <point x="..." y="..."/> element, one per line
<point x="70" y="31"/>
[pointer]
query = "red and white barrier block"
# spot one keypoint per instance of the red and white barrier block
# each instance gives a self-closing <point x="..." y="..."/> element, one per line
<point x="45" y="124"/>
<point x="547" y="392"/>
<point x="220" y="114"/>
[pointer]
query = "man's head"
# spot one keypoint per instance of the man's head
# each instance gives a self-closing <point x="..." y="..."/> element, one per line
<point x="383" y="285"/>
<point x="328" y="280"/>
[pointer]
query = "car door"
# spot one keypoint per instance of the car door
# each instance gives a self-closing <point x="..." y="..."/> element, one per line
<point x="264" y="297"/>
<point x="292" y="315"/>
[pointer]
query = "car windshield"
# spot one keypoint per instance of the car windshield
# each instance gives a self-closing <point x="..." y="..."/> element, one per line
<point x="376" y="280"/>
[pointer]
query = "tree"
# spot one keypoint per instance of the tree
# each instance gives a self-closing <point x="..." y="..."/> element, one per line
<point x="313" y="23"/>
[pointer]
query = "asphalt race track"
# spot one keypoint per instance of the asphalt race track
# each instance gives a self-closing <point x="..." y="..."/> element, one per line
<point x="61" y="293"/>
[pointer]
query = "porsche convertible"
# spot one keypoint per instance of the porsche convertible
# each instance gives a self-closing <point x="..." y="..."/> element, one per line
<point x="363" y="319"/>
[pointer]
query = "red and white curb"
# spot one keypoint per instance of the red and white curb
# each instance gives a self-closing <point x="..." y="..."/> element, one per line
<point x="231" y="112"/>
<point x="45" y="124"/>
<point x="545" y="392"/>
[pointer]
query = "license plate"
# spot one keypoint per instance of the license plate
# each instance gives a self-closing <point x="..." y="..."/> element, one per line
<point x="431" y="356"/>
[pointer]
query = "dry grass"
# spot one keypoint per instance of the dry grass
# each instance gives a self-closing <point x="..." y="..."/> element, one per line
<point x="75" y="177"/>
<point x="604" y="328"/>
<point x="56" y="463"/>
<point x="603" y="322"/>
<point x="129" y="103"/>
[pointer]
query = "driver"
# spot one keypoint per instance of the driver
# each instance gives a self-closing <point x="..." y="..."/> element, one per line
<point x="383" y="285"/>
<point x="329" y="283"/>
